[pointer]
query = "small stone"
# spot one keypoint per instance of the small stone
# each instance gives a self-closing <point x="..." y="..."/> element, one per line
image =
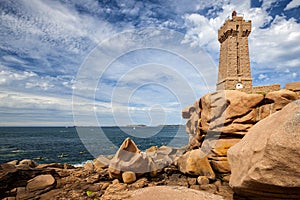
<point x="128" y="177"/>
<point x="218" y="183"/>
<point x="209" y="188"/>
<point x="140" y="183"/>
<point x="192" y="181"/>
<point x="40" y="182"/>
<point x="226" y="178"/>
<point x="225" y="191"/>
<point x="29" y="163"/>
<point x="116" y="181"/>
<point x="195" y="187"/>
<point x="151" y="149"/>
<point x="68" y="166"/>
<point x="10" y="198"/>
<point x="202" y="180"/>
<point x="93" y="179"/>
<point x="220" y="166"/>
<point x="105" y="185"/>
<point x="88" y="166"/>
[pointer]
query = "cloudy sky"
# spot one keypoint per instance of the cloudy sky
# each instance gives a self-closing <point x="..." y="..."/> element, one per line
<point x="88" y="62"/>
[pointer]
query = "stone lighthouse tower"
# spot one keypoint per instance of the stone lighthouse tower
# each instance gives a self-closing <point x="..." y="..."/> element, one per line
<point x="234" y="62"/>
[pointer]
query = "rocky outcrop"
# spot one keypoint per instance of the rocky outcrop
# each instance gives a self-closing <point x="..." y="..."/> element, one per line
<point x="53" y="181"/>
<point x="232" y="111"/>
<point x="219" y="120"/>
<point x="130" y="158"/>
<point x="98" y="179"/>
<point x="294" y="86"/>
<point x="265" y="162"/>
<point x="164" y="155"/>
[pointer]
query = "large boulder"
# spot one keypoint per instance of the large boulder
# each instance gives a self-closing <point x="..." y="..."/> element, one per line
<point x="265" y="163"/>
<point x="228" y="111"/>
<point x="164" y="155"/>
<point x="281" y="98"/>
<point x="231" y="113"/>
<point x="130" y="158"/>
<point x="41" y="182"/>
<point x="195" y="162"/>
<point x="171" y="193"/>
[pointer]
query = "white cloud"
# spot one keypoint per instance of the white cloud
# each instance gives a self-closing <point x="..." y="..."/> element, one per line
<point x="292" y="4"/>
<point x="277" y="46"/>
<point x="262" y="76"/>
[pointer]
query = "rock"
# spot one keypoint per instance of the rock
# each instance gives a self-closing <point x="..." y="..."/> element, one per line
<point x="151" y="149"/>
<point x="171" y="193"/>
<point x="10" y="198"/>
<point x="27" y="162"/>
<point x="104" y="186"/>
<point x="40" y="182"/>
<point x="56" y="165"/>
<point x="185" y="114"/>
<point x="220" y="166"/>
<point x="100" y="163"/>
<point x="195" y="187"/>
<point x="142" y="182"/>
<point x="192" y="113"/>
<point x="226" y="106"/>
<point x="202" y="180"/>
<point x="13" y="162"/>
<point x="165" y="156"/>
<point x="294" y="86"/>
<point x="116" y="191"/>
<point x="130" y="158"/>
<point x="281" y="98"/>
<point x="92" y="179"/>
<point x="51" y="194"/>
<point x="218" y="147"/>
<point x="12" y="176"/>
<point x="165" y="150"/>
<point x="194" y="141"/>
<point x="177" y="180"/>
<point x="209" y="188"/>
<point x="88" y="166"/>
<point x="192" y="124"/>
<point x="226" y="178"/>
<point x="128" y="177"/>
<point x="192" y="181"/>
<point x="195" y="162"/>
<point x="225" y="191"/>
<point x="264" y="163"/>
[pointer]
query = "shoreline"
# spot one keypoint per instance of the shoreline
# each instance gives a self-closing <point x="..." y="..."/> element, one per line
<point x="90" y="182"/>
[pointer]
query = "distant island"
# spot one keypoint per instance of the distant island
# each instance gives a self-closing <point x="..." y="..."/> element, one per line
<point x="136" y="125"/>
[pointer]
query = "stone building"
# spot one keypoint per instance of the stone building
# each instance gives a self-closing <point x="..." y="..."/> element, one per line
<point x="234" y="63"/>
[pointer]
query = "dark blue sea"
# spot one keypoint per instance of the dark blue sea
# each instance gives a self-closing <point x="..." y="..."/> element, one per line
<point x="76" y="145"/>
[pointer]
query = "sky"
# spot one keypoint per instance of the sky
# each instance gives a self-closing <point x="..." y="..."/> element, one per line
<point x="104" y="63"/>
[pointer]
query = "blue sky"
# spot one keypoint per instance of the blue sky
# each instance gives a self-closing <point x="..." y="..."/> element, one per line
<point x="87" y="62"/>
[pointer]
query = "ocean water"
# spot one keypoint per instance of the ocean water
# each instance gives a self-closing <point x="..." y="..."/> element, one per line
<point x="77" y="145"/>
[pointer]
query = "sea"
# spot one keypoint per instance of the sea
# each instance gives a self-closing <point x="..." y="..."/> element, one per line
<point x="77" y="145"/>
